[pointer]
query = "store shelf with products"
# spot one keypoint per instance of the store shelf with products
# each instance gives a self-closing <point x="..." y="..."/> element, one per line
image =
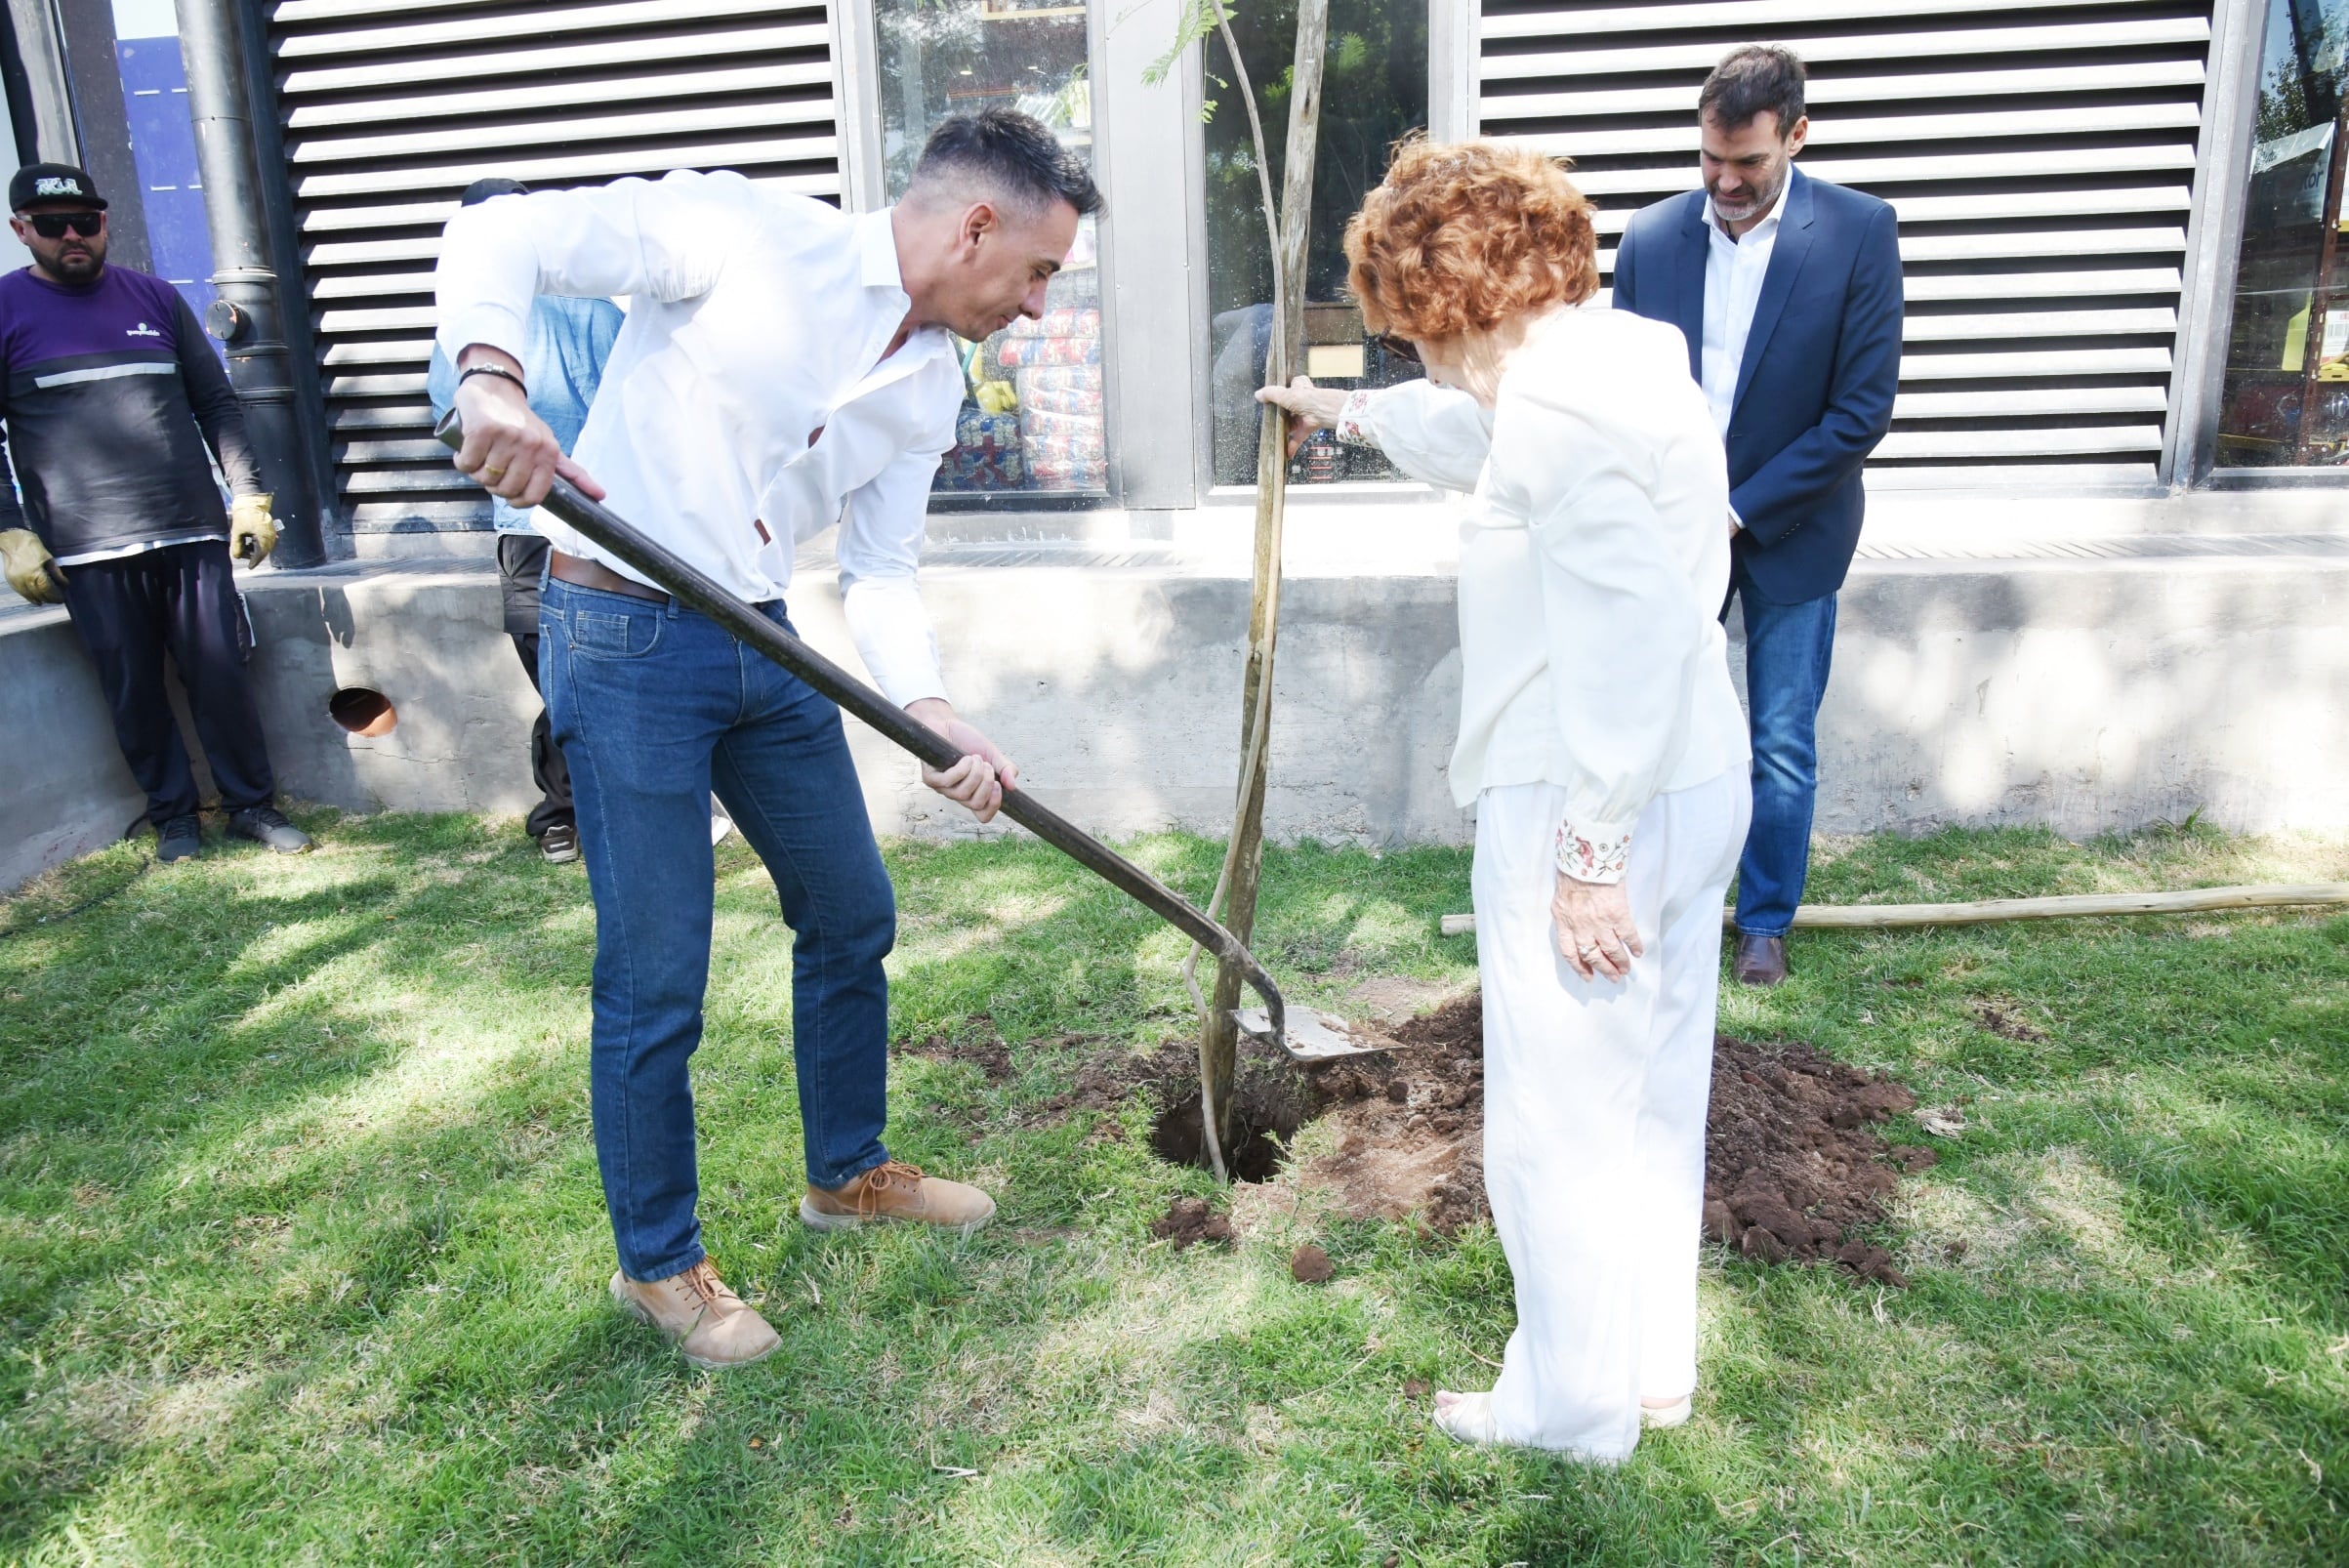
<point x="1034" y="424"/>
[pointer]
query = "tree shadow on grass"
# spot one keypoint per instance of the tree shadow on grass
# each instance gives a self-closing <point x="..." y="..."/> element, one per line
<point x="165" y="1049"/>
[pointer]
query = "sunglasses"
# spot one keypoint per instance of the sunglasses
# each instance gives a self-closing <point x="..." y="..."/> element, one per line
<point x="1402" y="348"/>
<point x="54" y="225"/>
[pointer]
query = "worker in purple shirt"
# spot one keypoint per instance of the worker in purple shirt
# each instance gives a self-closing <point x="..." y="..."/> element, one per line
<point x="110" y="395"/>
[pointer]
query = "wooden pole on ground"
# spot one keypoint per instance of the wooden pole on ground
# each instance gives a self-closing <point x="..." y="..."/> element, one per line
<point x="1996" y="911"/>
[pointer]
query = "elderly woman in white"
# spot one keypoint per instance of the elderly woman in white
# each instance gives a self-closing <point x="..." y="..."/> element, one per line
<point x="1602" y="745"/>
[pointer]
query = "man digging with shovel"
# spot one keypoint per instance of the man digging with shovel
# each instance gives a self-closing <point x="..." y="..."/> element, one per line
<point x="782" y="362"/>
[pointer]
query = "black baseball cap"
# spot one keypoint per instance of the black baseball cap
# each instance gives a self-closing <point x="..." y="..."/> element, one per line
<point x="497" y="185"/>
<point x="53" y="181"/>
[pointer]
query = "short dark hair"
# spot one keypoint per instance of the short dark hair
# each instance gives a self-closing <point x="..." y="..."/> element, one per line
<point x="496" y="184"/>
<point x="1751" y="80"/>
<point x="1010" y="154"/>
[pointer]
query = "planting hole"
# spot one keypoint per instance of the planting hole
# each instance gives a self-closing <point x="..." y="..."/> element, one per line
<point x="1268" y="1111"/>
<point x="362" y="710"/>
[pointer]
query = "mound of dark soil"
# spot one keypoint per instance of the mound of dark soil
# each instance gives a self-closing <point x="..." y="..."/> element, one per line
<point x="1410" y="1125"/>
<point x="1794" y="1162"/>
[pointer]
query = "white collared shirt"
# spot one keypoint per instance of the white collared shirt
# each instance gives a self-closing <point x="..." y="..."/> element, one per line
<point x="1734" y="269"/>
<point x="746" y="404"/>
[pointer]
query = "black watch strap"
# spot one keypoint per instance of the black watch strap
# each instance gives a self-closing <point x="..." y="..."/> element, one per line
<point x="500" y="371"/>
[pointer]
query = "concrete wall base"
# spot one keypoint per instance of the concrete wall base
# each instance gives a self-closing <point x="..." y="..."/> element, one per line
<point x="2085" y="694"/>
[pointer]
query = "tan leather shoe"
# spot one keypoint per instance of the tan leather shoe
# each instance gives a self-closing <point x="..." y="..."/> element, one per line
<point x="710" y="1325"/>
<point x="898" y="1191"/>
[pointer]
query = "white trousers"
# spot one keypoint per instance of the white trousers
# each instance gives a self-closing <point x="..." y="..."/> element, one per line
<point x="1594" y="1113"/>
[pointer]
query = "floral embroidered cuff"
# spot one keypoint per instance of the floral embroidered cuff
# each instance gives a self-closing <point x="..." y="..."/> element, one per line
<point x="1594" y="856"/>
<point x="1353" y="429"/>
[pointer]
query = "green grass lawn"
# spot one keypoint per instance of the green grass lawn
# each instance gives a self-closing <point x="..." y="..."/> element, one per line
<point x="302" y="1251"/>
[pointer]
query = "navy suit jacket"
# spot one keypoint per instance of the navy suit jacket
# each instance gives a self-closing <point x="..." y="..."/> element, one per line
<point x="1814" y="390"/>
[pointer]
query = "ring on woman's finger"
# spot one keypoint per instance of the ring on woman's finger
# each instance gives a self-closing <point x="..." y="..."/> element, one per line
<point x="493" y="473"/>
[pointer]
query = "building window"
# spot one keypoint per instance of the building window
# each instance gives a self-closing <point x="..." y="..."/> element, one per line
<point x="1374" y="93"/>
<point x="163" y="149"/>
<point x="2287" y="398"/>
<point x="1032" y="415"/>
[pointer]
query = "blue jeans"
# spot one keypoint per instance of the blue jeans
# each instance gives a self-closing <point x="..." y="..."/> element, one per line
<point x="653" y="706"/>
<point x="1788" y="648"/>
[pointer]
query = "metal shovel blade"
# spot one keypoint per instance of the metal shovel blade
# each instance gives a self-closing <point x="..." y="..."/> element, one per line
<point x="1310" y="1035"/>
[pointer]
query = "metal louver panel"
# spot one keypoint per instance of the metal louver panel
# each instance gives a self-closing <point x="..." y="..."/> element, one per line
<point x="390" y="108"/>
<point x="2040" y="153"/>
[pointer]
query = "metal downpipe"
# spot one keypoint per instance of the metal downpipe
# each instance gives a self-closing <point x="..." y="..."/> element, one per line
<point x="249" y="316"/>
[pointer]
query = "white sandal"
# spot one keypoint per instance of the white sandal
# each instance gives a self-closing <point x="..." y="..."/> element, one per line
<point x="1469" y="1420"/>
<point x="1672" y="1415"/>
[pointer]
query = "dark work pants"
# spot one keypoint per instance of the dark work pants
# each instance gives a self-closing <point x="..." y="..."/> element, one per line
<point x="521" y="562"/>
<point x="178" y="599"/>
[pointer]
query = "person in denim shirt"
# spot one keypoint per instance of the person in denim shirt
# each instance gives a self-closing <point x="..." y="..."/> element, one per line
<point x="569" y="341"/>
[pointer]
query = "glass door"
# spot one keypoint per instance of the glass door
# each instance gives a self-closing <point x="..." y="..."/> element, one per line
<point x="2287" y="398"/>
<point x="1374" y="93"/>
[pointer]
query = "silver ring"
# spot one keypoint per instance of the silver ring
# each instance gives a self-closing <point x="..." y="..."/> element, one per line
<point x="1590" y="951"/>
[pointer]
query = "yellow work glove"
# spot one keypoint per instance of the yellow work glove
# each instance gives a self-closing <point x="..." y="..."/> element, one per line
<point x="32" y="570"/>
<point x="252" y="530"/>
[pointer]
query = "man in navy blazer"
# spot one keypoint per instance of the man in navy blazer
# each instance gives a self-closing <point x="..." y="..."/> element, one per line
<point x="1788" y="292"/>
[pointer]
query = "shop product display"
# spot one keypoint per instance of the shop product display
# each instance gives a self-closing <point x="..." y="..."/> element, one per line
<point x="987" y="453"/>
<point x="1023" y="425"/>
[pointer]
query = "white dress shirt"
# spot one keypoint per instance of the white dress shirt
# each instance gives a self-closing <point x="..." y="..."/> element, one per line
<point x="746" y="403"/>
<point x="1734" y="269"/>
<point x="1593" y="566"/>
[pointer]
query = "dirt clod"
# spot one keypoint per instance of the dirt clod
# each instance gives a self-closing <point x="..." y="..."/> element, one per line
<point x="1188" y="1221"/>
<point x="2006" y="1020"/>
<point x="1310" y="1266"/>
<point x="989" y="1053"/>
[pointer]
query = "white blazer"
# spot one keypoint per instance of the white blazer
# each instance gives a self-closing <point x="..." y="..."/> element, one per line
<point x="1593" y="567"/>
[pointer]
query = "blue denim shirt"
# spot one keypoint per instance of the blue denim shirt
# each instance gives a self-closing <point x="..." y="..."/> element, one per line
<point x="569" y="340"/>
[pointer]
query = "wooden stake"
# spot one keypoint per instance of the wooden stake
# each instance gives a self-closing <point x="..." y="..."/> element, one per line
<point x="1244" y="854"/>
<point x="1996" y="911"/>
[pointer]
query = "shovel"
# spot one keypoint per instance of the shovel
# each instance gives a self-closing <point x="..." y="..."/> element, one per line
<point x="1305" y="1035"/>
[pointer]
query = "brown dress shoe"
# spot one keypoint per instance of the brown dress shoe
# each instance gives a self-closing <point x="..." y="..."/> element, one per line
<point x="1760" y="960"/>
<point x="710" y="1325"/>
<point x="898" y="1191"/>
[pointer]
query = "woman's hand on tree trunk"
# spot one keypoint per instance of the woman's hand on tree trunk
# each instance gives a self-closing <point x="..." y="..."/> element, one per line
<point x="1310" y="408"/>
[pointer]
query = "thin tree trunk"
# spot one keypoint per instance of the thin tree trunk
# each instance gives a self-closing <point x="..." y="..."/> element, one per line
<point x="1244" y="857"/>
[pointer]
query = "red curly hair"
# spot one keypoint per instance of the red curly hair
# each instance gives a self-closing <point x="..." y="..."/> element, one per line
<point x="1461" y="236"/>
